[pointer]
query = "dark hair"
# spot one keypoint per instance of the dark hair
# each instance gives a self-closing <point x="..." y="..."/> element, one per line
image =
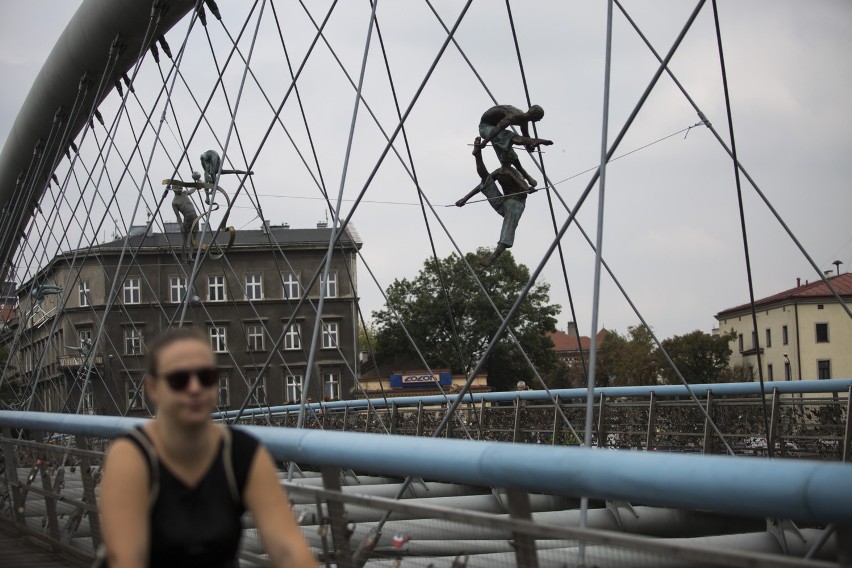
<point x="166" y="339"/>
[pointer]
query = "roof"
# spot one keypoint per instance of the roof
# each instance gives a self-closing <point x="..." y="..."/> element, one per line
<point x="244" y="238"/>
<point x="812" y="291"/>
<point x="565" y="342"/>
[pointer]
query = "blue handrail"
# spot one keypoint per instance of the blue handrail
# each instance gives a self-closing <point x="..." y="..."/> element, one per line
<point x="801" y="490"/>
<point x="661" y="391"/>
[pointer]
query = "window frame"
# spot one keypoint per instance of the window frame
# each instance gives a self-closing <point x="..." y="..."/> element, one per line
<point x="328" y="332"/>
<point x="227" y="390"/>
<point x="293" y="338"/>
<point x="288" y="284"/>
<point x="132" y="341"/>
<point x="221" y="338"/>
<point x="260" y="391"/>
<point x="768" y="338"/>
<point x="827" y="368"/>
<point x="254" y="331"/>
<point x="176" y="287"/>
<point x="817" y="334"/>
<point x="334" y="392"/>
<point x="84" y="298"/>
<point x="297" y="386"/>
<point x="330" y="284"/>
<point x="130" y="388"/>
<point x="129" y="287"/>
<point x="785" y="335"/>
<point x="258" y="286"/>
<point x="211" y="285"/>
<point x="770" y="372"/>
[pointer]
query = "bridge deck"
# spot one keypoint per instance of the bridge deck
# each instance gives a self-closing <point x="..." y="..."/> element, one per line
<point x="17" y="551"/>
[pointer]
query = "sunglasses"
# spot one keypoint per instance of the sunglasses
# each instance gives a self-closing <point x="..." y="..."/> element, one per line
<point x="179" y="380"/>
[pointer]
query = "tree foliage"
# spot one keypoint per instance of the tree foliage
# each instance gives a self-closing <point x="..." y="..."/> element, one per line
<point x="422" y="307"/>
<point x="634" y="359"/>
<point x="700" y="357"/>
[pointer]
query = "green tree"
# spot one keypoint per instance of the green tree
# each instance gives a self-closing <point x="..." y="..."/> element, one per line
<point x="626" y="360"/>
<point x="422" y="307"/>
<point x="700" y="357"/>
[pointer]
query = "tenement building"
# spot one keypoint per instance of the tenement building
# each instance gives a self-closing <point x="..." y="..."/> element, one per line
<point x="88" y="315"/>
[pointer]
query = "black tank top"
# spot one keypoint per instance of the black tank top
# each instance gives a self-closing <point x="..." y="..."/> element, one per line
<point x="200" y="526"/>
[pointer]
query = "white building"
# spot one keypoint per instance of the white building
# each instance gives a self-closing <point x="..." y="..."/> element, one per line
<point x="802" y="333"/>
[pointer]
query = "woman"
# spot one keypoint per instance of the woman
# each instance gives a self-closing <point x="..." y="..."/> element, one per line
<point x="173" y="494"/>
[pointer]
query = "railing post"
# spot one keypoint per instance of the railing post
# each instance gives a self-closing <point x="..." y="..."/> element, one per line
<point x="602" y="422"/>
<point x="557" y="423"/>
<point x="393" y="416"/>
<point x="367" y="422"/>
<point x="652" y="421"/>
<point x="773" y="422"/>
<point x="519" y="508"/>
<point x="89" y="492"/>
<point x="448" y="429"/>
<point x="516" y="431"/>
<point x="12" y="482"/>
<point x="49" y="498"/>
<point x="847" y="436"/>
<point x="419" y="431"/>
<point x="338" y="518"/>
<point x="345" y="417"/>
<point x="706" y="447"/>
<point x="481" y="418"/>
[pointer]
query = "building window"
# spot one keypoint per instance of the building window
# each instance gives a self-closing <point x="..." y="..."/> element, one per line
<point x="85" y="336"/>
<point x="784" y="337"/>
<point x="768" y="338"/>
<point x="254" y="287"/>
<point x="823" y="369"/>
<point x="134" y="395"/>
<point x="259" y="396"/>
<point x="88" y="402"/>
<point x="215" y="288"/>
<point x="788" y="372"/>
<point x="820" y="307"/>
<point x="753" y="339"/>
<point x="218" y="340"/>
<point x="224" y="392"/>
<point x="330" y="284"/>
<point x="292" y="339"/>
<point x="741" y="342"/>
<point x="290" y="282"/>
<point x="254" y="338"/>
<point x="132" y="341"/>
<point x="329" y="335"/>
<point x="294" y="388"/>
<point x="84" y="294"/>
<point x="132" y="291"/>
<point x="331" y="386"/>
<point x="822" y="333"/>
<point x="770" y="372"/>
<point x="177" y="289"/>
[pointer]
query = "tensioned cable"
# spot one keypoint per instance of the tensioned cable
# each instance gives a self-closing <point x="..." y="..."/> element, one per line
<point x="756" y="336"/>
<point x="405" y="167"/>
<point x="335" y="219"/>
<point x="742" y="169"/>
<point x="596" y="294"/>
<point x="534" y="276"/>
<point x="385" y="151"/>
<point x="546" y="185"/>
<point x="463" y="364"/>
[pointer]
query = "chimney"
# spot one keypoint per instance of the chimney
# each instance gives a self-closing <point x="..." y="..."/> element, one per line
<point x="285" y="225"/>
<point x="265" y="227"/>
<point x="798" y="282"/>
<point x="572" y="329"/>
<point x="828" y="273"/>
<point x="322" y="225"/>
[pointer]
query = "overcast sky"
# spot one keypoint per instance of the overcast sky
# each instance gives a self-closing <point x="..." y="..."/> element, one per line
<point x="671" y="229"/>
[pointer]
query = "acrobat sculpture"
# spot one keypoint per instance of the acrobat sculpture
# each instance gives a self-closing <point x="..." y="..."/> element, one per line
<point x="509" y="204"/>
<point x="495" y="127"/>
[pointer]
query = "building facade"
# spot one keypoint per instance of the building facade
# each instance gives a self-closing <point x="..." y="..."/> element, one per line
<point x="802" y="333"/>
<point x="243" y="303"/>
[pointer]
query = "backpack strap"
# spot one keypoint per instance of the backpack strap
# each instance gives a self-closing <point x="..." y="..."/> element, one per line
<point x="228" y="464"/>
<point x="154" y="464"/>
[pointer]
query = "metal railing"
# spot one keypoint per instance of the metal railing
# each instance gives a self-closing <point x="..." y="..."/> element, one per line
<point x="51" y="470"/>
<point x="808" y="419"/>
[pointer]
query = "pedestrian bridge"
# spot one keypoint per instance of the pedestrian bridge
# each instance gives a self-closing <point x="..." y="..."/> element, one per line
<point x="370" y="499"/>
